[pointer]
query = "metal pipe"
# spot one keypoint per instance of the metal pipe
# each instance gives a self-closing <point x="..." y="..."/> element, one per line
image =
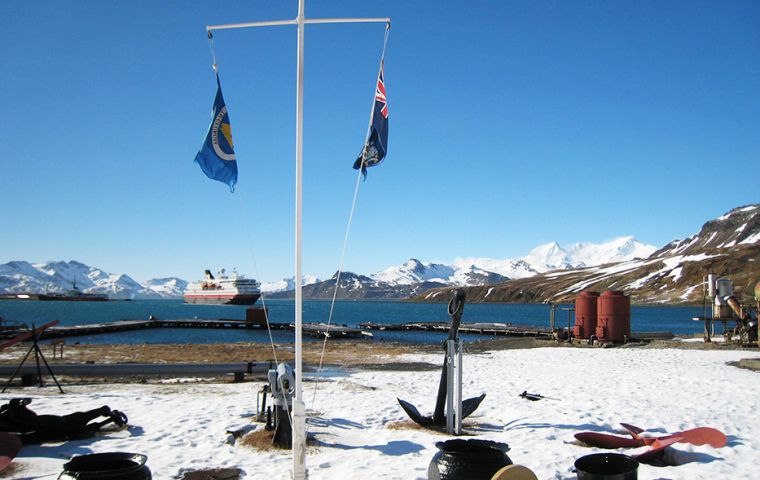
<point x="298" y="421"/>
<point x="275" y="23"/>
<point x="229" y="26"/>
<point x="117" y="369"/>
<point x="348" y="20"/>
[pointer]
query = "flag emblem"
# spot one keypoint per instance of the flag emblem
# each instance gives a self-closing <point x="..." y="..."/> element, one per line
<point x="224" y="149"/>
<point x="216" y="156"/>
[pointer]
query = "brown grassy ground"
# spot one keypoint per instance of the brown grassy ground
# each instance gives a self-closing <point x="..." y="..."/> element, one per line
<point x="337" y="353"/>
<point x="355" y="354"/>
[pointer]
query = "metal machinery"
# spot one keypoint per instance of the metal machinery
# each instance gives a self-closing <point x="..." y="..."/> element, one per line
<point x="281" y="388"/>
<point x="726" y="307"/>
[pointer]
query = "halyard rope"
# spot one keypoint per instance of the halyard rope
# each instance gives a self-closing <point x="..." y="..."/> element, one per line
<point x="337" y="283"/>
<point x="215" y="66"/>
<point x="348" y="230"/>
<point x="256" y="273"/>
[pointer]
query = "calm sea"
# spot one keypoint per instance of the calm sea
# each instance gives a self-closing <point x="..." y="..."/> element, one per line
<point x="643" y="319"/>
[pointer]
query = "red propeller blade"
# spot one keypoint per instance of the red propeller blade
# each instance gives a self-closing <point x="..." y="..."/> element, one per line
<point x="604" y="440"/>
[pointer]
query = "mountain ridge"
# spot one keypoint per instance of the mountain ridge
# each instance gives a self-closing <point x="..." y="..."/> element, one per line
<point x="548" y="272"/>
<point x="413" y="276"/>
<point x="728" y="246"/>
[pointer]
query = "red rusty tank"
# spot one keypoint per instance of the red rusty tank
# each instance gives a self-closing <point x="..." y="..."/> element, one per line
<point x="585" y="314"/>
<point x="613" y="317"/>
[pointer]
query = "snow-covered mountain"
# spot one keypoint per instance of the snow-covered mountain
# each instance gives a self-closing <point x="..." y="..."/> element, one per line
<point x="287" y="284"/>
<point x="553" y="257"/>
<point x="60" y="276"/>
<point x="413" y="271"/>
<point x="169" y="287"/>
<point x="409" y="278"/>
<point x="413" y="276"/>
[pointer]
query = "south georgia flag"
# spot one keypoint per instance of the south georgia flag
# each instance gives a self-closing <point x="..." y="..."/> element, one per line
<point x="217" y="154"/>
<point x="377" y="143"/>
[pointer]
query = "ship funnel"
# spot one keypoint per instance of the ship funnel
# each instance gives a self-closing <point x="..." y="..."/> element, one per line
<point x="209" y="276"/>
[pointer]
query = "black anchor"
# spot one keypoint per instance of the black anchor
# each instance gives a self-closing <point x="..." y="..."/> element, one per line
<point x="456" y="307"/>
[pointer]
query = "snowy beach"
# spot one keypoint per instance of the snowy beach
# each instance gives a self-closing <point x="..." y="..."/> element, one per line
<point x="358" y="429"/>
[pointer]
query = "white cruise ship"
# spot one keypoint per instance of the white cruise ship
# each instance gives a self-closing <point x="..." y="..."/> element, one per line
<point x="225" y="290"/>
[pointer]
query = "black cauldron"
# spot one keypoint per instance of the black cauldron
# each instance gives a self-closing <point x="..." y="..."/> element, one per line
<point x="606" y="466"/>
<point x="468" y="460"/>
<point x="107" y="466"/>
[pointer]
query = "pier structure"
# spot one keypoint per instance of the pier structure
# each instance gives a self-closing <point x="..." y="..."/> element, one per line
<point x="320" y="330"/>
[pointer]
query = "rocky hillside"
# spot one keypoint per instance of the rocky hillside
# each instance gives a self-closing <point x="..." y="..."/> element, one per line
<point x="728" y="246"/>
<point x="361" y="287"/>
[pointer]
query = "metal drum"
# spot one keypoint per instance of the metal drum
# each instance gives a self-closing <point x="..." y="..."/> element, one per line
<point x="613" y="317"/>
<point x="468" y="460"/>
<point x="585" y="314"/>
<point x="107" y="466"/>
<point x="606" y="466"/>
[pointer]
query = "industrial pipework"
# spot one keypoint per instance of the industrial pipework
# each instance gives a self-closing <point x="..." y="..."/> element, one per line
<point x="726" y="306"/>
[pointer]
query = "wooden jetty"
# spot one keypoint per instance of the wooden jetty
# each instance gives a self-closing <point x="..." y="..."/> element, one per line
<point x="478" y="328"/>
<point x="128" y="325"/>
<point x="316" y="329"/>
<point x="332" y="331"/>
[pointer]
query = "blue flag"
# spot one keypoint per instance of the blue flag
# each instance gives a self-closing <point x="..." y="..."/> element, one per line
<point x="377" y="144"/>
<point x="217" y="155"/>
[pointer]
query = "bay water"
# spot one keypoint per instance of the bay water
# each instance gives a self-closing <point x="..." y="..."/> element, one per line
<point x="676" y="319"/>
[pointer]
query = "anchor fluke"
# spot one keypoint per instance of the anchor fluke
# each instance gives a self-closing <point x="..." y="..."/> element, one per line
<point x="468" y="407"/>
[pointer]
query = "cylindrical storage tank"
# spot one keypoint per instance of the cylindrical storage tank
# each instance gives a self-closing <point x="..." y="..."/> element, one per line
<point x="613" y="317"/>
<point x="585" y="314"/>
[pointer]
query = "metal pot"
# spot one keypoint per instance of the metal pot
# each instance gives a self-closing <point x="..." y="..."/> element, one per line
<point x="606" y="466"/>
<point x="107" y="466"/>
<point x="468" y="460"/>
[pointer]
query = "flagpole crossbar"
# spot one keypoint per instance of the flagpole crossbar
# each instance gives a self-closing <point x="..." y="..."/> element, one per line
<point x="276" y="23"/>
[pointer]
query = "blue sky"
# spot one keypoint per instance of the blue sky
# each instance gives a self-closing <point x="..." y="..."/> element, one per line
<point x="511" y="124"/>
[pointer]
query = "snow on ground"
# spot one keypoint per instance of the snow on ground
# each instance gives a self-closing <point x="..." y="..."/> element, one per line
<point x="182" y="426"/>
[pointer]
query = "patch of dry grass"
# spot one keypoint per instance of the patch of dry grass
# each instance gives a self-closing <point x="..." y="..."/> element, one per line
<point x="404" y="425"/>
<point x="343" y="352"/>
<point x="260" y="439"/>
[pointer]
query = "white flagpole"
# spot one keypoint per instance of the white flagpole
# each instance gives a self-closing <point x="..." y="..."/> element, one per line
<point x="298" y="412"/>
<point x="298" y="419"/>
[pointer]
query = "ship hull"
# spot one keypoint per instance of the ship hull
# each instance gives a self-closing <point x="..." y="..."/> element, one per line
<point x="221" y="299"/>
<point x="47" y="297"/>
<point x="76" y="298"/>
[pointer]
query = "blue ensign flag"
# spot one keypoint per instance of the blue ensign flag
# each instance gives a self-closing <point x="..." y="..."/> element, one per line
<point x="377" y="142"/>
<point x="217" y="155"/>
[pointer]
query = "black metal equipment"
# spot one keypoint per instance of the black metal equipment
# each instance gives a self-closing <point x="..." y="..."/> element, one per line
<point x="34" y="334"/>
<point x="281" y="387"/>
<point x="439" y="420"/>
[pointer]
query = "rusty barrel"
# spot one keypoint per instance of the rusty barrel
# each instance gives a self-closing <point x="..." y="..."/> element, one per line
<point x="613" y="317"/>
<point x="585" y="314"/>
